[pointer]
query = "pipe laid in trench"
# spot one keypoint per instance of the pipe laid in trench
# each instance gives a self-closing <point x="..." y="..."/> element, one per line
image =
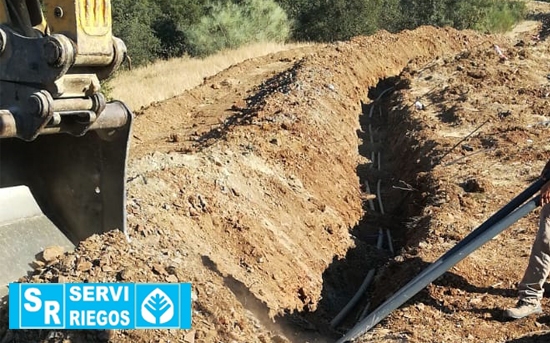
<point x="497" y="223"/>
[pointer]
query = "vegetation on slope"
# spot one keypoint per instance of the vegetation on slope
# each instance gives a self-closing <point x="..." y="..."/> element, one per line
<point x="164" y="29"/>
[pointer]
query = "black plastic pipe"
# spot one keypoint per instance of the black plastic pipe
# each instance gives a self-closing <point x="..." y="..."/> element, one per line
<point x="497" y="223"/>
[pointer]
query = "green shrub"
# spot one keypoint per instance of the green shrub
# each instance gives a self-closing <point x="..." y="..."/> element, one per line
<point x="231" y="25"/>
<point x="341" y="19"/>
<point x="501" y="16"/>
<point x="333" y="20"/>
<point x="482" y="15"/>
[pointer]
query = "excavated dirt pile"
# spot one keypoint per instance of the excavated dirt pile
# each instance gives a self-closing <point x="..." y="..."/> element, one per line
<point x="251" y="187"/>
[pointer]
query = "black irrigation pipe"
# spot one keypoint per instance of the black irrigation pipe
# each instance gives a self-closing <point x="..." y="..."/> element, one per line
<point x="379" y="192"/>
<point x="370" y="275"/>
<point x="362" y="289"/>
<point x="390" y="242"/>
<point x="497" y="223"/>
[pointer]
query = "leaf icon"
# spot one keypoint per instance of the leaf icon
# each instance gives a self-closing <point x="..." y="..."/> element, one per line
<point x="157" y="308"/>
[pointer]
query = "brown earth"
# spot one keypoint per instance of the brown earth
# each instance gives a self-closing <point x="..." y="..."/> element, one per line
<point x="253" y="187"/>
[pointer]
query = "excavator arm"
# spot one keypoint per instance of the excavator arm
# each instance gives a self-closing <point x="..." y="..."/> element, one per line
<point x="50" y="68"/>
<point x="63" y="147"/>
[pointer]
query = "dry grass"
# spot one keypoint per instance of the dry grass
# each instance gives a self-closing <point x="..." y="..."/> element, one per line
<point x="166" y="79"/>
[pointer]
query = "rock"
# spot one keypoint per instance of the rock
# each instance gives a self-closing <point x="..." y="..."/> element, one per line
<point x="38" y="264"/>
<point x="107" y="269"/>
<point x="193" y="212"/>
<point x="477" y="74"/>
<point x="419" y="106"/>
<point x="229" y="82"/>
<point x="52" y="253"/>
<point x="217" y="161"/>
<point x="474" y="186"/>
<point x="173" y="138"/>
<point x="159" y="269"/>
<point x="172" y="279"/>
<point x="238" y="105"/>
<point x="84" y="266"/>
<point x="475" y="301"/>
<point x="189" y="337"/>
<point x="467" y="147"/>
<point x="126" y="274"/>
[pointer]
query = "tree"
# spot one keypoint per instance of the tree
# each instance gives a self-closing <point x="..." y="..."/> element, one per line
<point x="132" y="20"/>
<point x="176" y="17"/>
<point x="391" y="16"/>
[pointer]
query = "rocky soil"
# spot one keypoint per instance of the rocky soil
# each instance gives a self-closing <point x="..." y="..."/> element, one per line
<point x="253" y="186"/>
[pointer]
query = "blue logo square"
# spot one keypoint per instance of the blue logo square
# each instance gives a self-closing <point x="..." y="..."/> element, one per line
<point x="158" y="306"/>
<point x="41" y="306"/>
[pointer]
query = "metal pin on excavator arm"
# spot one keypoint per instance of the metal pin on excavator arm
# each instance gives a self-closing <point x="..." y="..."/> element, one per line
<point x="63" y="148"/>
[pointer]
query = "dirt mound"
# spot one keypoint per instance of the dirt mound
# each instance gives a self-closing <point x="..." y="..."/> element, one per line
<point x="248" y="187"/>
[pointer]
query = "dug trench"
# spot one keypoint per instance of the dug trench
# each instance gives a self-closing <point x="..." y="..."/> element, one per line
<point x="394" y="194"/>
<point x="389" y="163"/>
<point x="253" y="187"/>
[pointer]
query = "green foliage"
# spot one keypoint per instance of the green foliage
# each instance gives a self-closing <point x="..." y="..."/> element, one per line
<point x="332" y="20"/>
<point x="390" y="16"/>
<point x="482" y="15"/>
<point x="501" y="16"/>
<point x="340" y="19"/>
<point x="427" y="12"/>
<point x="132" y="20"/>
<point x="170" y="28"/>
<point x="174" y="19"/>
<point x="230" y="25"/>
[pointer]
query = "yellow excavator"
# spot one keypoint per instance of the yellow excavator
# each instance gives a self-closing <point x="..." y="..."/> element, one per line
<point x="63" y="147"/>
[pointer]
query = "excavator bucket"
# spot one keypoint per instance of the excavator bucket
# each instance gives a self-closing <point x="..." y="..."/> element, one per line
<point x="63" y="148"/>
<point x="58" y="190"/>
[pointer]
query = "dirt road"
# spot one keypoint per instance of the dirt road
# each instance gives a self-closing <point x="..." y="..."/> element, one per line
<point x="252" y="187"/>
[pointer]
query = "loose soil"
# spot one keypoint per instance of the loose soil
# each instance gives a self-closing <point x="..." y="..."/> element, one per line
<point x="252" y="186"/>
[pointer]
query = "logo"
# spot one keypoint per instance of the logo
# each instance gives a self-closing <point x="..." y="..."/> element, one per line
<point x="157" y="308"/>
<point x="100" y="306"/>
